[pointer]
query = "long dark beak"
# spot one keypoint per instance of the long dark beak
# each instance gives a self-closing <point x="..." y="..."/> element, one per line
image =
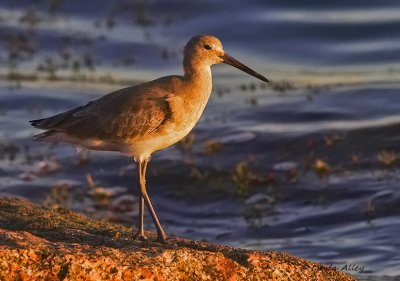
<point x="231" y="61"/>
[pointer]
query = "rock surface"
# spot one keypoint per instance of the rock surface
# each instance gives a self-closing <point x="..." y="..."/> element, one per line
<point x="41" y="244"/>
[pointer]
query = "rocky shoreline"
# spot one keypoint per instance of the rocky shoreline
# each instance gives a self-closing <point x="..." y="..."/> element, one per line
<point x="43" y="244"/>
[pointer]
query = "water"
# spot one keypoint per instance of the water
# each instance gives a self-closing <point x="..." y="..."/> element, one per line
<point x="336" y="74"/>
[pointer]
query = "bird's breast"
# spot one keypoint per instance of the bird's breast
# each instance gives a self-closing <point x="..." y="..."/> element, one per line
<point x="187" y="104"/>
<point x="186" y="113"/>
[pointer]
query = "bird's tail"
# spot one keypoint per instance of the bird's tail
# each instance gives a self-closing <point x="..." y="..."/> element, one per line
<point x="36" y="122"/>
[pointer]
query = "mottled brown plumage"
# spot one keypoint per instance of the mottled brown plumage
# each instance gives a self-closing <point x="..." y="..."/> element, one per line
<point x="142" y="119"/>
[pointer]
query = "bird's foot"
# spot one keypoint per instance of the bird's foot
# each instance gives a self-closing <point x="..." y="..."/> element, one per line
<point x="140" y="236"/>
<point x="162" y="238"/>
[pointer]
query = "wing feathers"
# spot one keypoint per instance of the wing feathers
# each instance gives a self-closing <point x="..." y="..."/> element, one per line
<point x="124" y="114"/>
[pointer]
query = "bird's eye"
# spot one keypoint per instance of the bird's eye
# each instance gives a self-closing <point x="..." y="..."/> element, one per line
<point x="207" y="47"/>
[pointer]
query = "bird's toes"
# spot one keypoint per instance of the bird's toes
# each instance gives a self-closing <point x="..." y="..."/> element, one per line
<point x="162" y="238"/>
<point x="140" y="237"/>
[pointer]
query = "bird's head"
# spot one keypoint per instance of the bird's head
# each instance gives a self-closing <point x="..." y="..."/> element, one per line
<point x="208" y="50"/>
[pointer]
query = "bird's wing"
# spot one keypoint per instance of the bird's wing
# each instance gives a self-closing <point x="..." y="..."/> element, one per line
<point x="124" y="114"/>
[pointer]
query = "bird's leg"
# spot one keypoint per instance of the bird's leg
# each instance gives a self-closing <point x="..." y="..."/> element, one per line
<point x="140" y="227"/>
<point x="142" y="165"/>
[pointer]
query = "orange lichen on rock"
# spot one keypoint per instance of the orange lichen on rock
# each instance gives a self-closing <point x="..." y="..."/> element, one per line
<point x="42" y="244"/>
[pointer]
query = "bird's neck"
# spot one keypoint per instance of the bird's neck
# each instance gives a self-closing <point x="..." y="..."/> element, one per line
<point x="198" y="81"/>
<point x="197" y="74"/>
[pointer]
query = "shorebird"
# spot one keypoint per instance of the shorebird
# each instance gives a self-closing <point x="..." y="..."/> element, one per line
<point x="141" y="119"/>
